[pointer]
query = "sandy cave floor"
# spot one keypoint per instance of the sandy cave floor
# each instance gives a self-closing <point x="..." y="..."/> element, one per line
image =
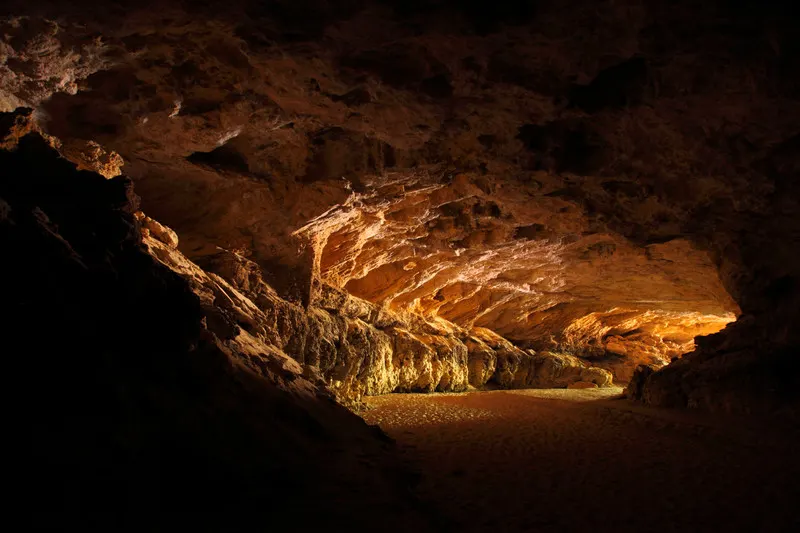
<point x="569" y="460"/>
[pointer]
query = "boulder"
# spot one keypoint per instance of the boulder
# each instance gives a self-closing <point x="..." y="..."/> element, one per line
<point x="582" y="385"/>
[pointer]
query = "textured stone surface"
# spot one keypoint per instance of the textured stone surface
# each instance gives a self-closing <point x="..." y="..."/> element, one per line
<point x="582" y="385"/>
<point x="355" y="347"/>
<point x="39" y="57"/>
<point x="141" y="400"/>
<point x="743" y="369"/>
<point x="435" y="240"/>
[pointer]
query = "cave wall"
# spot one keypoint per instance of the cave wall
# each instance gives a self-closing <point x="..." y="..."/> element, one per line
<point x="130" y="409"/>
<point x="604" y="181"/>
<point x="356" y="348"/>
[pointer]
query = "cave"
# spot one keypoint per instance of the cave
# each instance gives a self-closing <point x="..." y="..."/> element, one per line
<point x="401" y="266"/>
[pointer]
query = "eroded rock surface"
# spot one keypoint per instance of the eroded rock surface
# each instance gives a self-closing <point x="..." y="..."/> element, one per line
<point x="356" y="348"/>
<point x="602" y="181"/>
<point x="138" y="402"/>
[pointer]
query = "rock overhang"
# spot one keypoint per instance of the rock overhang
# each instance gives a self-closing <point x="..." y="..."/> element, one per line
<point x="568" y="195"/>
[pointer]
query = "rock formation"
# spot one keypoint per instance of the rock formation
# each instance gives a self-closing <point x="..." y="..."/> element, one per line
<point x="340" y="199"/>
<point x="135" y="406"/>
<point x="409" y="197"/>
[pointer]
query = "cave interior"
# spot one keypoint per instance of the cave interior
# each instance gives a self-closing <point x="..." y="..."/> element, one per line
<point x="230" y="229"/>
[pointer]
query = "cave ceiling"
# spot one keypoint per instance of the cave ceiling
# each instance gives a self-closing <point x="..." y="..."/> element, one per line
<point x="529" y="171"/>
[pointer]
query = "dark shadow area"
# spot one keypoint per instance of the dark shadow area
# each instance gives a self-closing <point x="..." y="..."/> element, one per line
<point x="224" y="157"/>
<point x="135" y="415"/>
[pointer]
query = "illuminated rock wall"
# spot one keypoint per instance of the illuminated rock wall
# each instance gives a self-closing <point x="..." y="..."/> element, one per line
<point x="596" y="181"/>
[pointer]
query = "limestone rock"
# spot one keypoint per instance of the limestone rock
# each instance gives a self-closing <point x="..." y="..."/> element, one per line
<point x="560" y="370"/>
<point x="598" y="376"/>
<point x="281" y="169"/>
<point x="90" y="155"/>
<point x="48" y="59"/>
<point x="557" y="370"/>
<point x="588" y="192"/>
<point x="635" y="387"/>
<point x="739" y="370"/>
<point x="159" y="231"/>
<point x="349" y="352"/>
<point x="582" y="385"/>
<point x="482" y="362"/>
<point x="490" y="352"/>
<point x="136" y="382"/>
<point x="338" y="335"/>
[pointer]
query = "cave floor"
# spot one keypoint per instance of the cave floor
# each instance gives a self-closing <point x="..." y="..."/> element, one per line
<point x="567" y="460"/>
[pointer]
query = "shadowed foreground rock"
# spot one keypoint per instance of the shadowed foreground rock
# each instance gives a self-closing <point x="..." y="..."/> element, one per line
<point x="739" y="370"/>
<point x="133" y="408"/>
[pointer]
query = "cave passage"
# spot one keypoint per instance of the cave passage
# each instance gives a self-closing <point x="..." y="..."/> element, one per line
<point x="578" y="460"/>
<point x="228" y="228"/>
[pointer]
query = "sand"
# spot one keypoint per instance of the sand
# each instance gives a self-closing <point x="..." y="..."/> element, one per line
<point x="568" y="460"/>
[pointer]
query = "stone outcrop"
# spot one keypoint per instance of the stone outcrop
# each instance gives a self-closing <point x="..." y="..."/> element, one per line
<point x="355" y="347"/>
<point x="582" y="385"/>
<point x="39" y="57"/>
<point x="140" y="397"/>
<point x="740" y="370"/>
<point x="561" y="370"/>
